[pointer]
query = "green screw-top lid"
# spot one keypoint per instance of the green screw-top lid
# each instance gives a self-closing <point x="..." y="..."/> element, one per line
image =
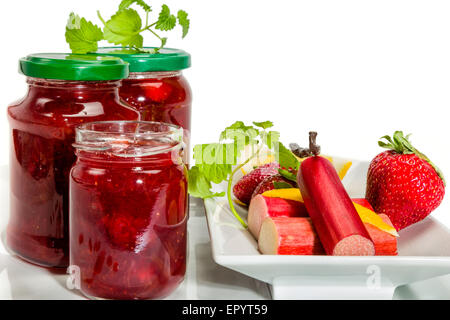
<point x="141" y="61"/>
<point x="74" y="67"/>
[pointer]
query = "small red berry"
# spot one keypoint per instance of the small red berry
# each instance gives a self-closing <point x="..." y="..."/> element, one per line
<point x="403" y="183"/>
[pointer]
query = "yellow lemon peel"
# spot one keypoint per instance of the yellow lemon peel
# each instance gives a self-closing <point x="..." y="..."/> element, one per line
<point x="344" y="170"/>
<point x="366" y="215"/>
<point x="288" y="194"/>
<point x="369" y="216"/>
<point x="240" y="203"/>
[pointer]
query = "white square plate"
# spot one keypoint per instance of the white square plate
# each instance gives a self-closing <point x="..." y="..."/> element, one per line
<point x="424" y="253"/>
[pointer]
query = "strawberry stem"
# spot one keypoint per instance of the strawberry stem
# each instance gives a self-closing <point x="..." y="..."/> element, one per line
<point x="314" y="148"/>
<point x="401" y="144"/>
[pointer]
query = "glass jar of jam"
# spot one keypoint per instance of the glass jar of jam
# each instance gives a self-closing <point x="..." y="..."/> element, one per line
<point x="63" y="91"/>
<point x="156" y="86"/>
<point x="128" y="209"/>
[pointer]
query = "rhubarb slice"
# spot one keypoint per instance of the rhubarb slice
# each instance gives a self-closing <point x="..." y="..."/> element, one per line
<point x="289" y="236"/>
<point x="262" y="207"/>
<point x="297" y="236"/>
<point x="333" y="214"/>
<point x="385" y="243"/>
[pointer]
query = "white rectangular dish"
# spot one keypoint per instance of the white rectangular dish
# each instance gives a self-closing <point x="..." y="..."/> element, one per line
<point x="424" y="253"/>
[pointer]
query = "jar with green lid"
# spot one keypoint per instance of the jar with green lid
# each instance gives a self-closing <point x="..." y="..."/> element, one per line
<point x="156" y="86"/>
<point x="64" y="91"/>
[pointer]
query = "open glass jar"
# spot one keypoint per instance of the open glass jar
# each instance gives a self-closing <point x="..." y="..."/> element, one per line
<point x="63" y="92"/>
<point x="156" y="86"/>
<point x="128" y="209"/>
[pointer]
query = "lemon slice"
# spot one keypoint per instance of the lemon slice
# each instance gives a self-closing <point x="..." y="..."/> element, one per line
<point x="256" y="162"/>
<point x="372" y="218"/>
<point x="288" y="194"/>
<point x="344" y="170"/>
<point x="240" y="203"/>
<point x="366" y="215"/>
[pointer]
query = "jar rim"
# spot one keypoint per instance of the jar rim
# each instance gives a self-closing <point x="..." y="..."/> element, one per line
<point x="146" y="60"/>
<point x="78" y="67"/>
<point x="128" y="139"/>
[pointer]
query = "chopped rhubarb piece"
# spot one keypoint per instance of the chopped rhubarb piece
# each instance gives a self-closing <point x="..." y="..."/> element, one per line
<point x="297" y="236"/>
<point x="335" y="218"/>
<point x="289" y="236"/>
<point x="262" y="207"/>
<point x="363" y="202"/>
<point x="385" y="243"/>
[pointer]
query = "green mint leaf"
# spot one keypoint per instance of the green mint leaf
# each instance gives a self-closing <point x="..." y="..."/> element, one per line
<point x="281" y="185"/>
<point x="125" y="4"/>
<point x="124" y="29"/>
<point x="166" y="20"/>
<point x="82" y="35"/>
<point x="265" y="125"/>
<point x="238" y="130"/>
<point x="285" y="157"/>
<point x="183" y="21"/>
<point x="215" y="160"/>
<point x="74" y="21"/>
<point x="199" y="185"/>
<point x="271" y="138"/>
<point x="241" y="136"/>
<point x="288" y="175"/>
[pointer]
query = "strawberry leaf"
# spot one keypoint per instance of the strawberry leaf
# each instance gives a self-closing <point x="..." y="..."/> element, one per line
<point x="401" y="144"/>
<point x="281" y="185"/>
<point x="285" y="157"/>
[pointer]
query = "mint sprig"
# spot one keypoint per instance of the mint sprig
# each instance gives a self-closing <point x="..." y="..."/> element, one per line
<point x="218" y="162"/>
<point x="82" y="35"/>
<point x="126" y="28"/>
<point x="125" y="4"/>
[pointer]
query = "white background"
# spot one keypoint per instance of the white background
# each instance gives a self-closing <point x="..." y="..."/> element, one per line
<point x="352" y="70"/>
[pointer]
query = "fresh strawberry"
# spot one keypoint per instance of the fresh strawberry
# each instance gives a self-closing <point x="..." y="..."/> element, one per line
<point x="244" y="188"/>
<point x="158" y="91"/>
<point x="403" y="183"/>
<point x="268" y="184"/>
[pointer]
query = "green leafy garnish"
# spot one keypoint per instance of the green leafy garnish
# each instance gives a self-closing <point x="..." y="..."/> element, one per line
<point x="82" y="35"/>
<point x="401" y="144"/>
<point x="281" y="185"/>
<point x="125" y="4"/>
<point x="289" y="164"/>
<point x="125" y="28"/>
<point x="183" y="21"/>
<point x="200" y="186"/>
<point x="264" y="125"/>
<point x="218" y="162"/>
<point x="166" y="20"/>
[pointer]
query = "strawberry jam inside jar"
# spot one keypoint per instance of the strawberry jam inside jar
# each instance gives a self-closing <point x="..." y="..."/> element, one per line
<point x="63" y="92"/>
<point x="156" y="86"/>
<point x="128" y="210"/>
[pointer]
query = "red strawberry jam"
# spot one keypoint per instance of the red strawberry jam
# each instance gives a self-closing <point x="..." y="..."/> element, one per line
<point x="128" y="210"/>
<point x="156" y="86"/>
<point x="159" y="96"/>
<point x="42" y="133"/>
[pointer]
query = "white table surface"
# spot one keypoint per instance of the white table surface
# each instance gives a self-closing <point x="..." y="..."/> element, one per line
<point x="204" y="278"/>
